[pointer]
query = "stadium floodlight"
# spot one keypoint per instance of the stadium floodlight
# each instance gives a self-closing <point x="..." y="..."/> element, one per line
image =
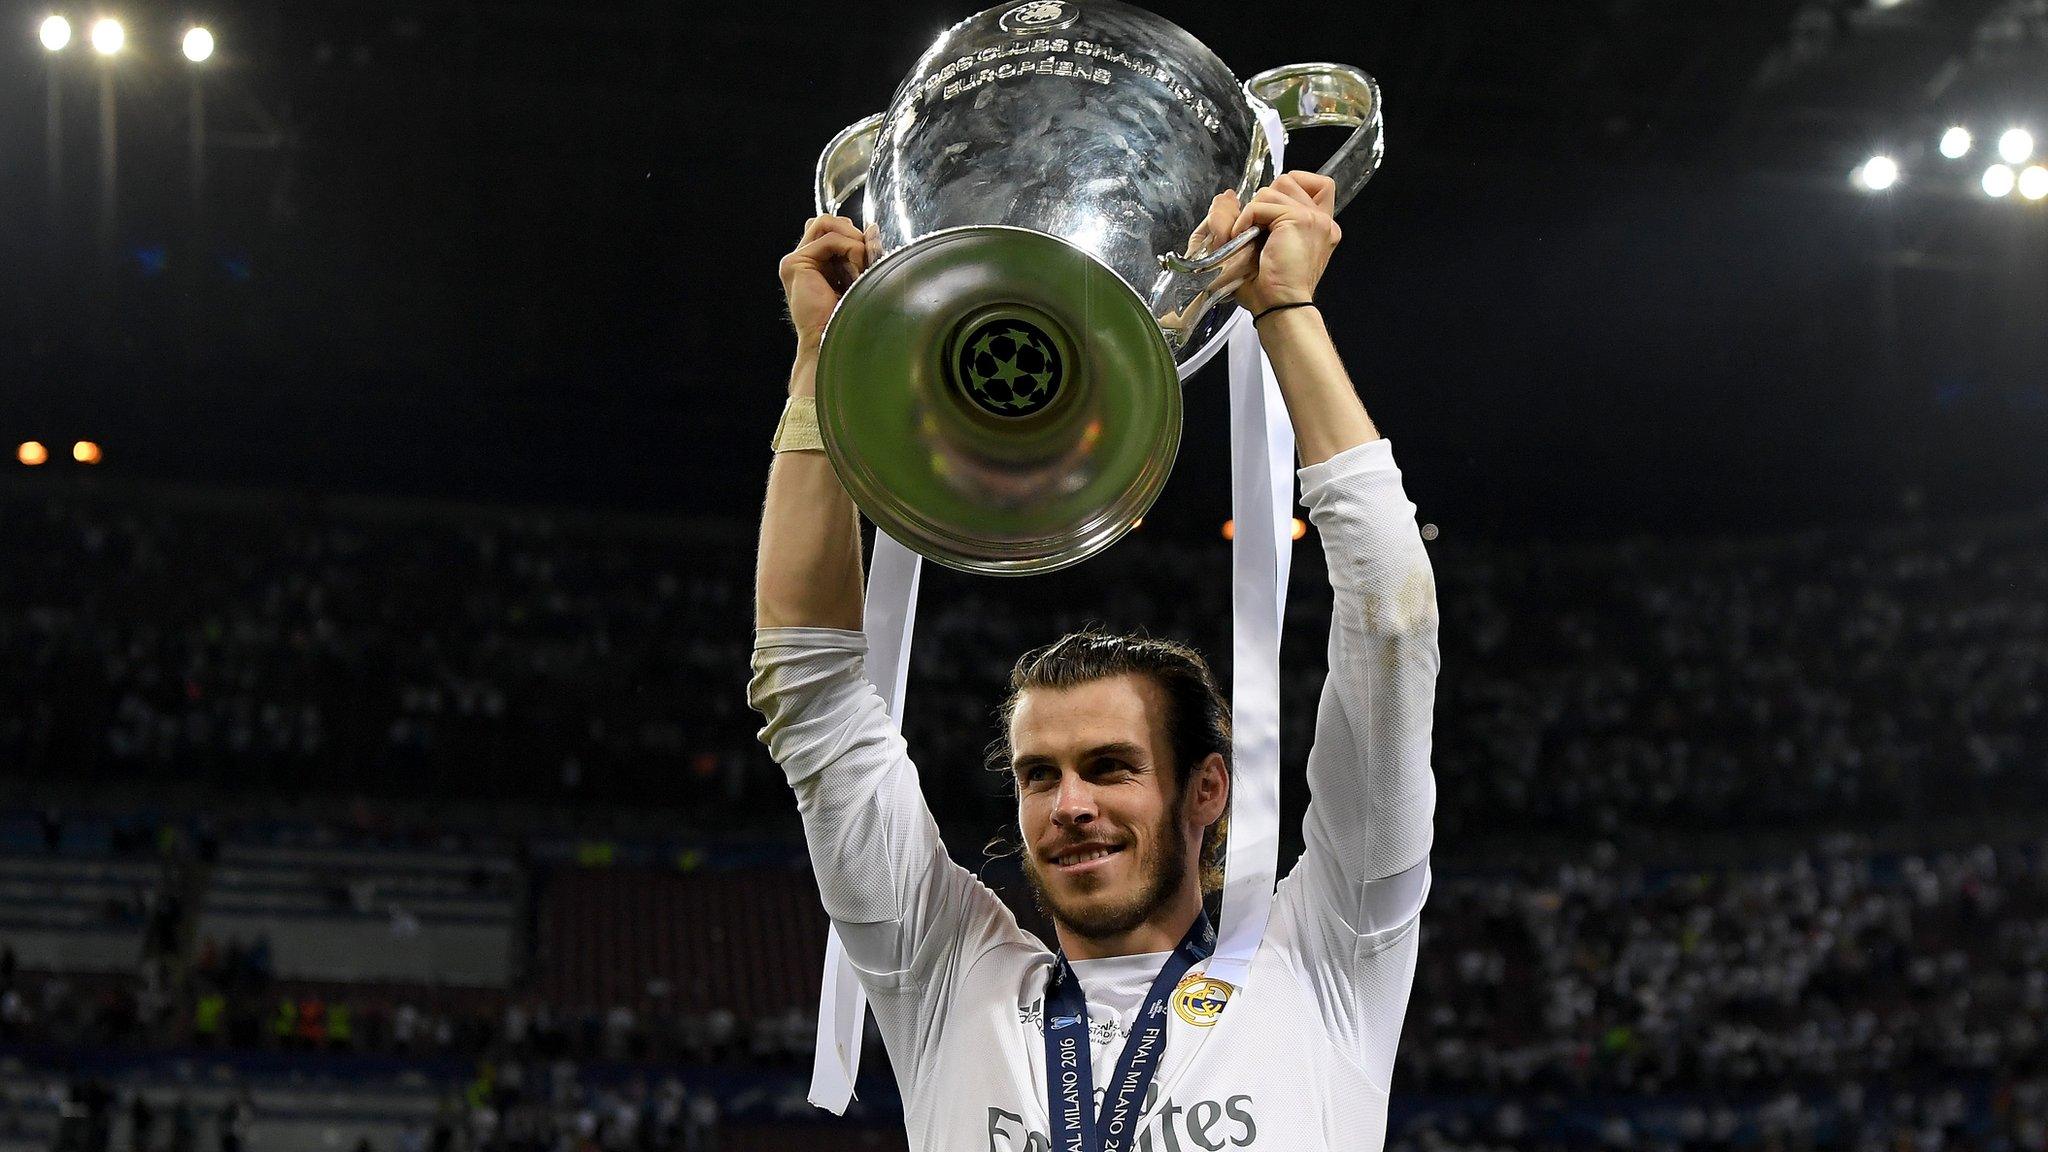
<point x="108" y="36"/>
<point x="32" y="453"/>
<point x="198" y="45"/>
<point x="1998" y="181"/>
<point x="2034" y="182"/>
<point x="2016" y="145"/>
<point x="85" y="452"/>
<point x="1877" y="173"/>
<point x="56" y="33"/>
<point x="1955" y="143"/>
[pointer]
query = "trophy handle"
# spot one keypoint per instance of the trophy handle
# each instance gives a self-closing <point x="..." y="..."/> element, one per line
<point x="1329" y="96"/>
<point x="843" y="165"/>
<point x="1309" y="96"/>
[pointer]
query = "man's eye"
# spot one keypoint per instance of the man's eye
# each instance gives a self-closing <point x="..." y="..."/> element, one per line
<point x="1034" y="775"/>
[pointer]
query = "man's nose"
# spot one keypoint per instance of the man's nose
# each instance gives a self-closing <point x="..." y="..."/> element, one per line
<point x="1075" y="803"/>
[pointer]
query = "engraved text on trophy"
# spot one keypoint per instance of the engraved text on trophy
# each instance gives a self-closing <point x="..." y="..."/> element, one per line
<point x="1056" y="56"/>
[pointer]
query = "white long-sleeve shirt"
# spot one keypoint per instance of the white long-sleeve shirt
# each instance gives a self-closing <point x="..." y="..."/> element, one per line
<point x="1301" y="1057"/>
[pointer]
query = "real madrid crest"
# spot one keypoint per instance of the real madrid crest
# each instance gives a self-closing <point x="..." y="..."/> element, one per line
<point x="1200" y="1000"/>
<point x="1042" y="16"/>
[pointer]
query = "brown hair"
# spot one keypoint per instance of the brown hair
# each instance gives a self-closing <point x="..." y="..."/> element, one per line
<point x="1197" y="714"/>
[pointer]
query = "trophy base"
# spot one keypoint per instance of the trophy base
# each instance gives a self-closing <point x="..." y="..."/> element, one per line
<point x="998" y="400"/>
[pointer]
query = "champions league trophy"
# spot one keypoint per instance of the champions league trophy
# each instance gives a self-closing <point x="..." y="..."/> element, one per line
<point x="1001" y="391"/>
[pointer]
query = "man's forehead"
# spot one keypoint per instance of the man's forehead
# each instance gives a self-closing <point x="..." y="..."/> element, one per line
<point x="1113" y="709"/>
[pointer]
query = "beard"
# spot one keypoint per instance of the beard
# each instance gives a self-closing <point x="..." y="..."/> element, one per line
<point x="1099" y="915"/>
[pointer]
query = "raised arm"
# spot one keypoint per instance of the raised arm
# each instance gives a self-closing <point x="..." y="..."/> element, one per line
<point x="903" y="909"/>
<point x="809" y="566"/>
<point x="1370" y="787"/>
<point x="1349" y="909"/>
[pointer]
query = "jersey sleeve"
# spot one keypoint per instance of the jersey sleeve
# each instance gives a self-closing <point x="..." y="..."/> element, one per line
<point x="908" y="916"/>
<point x="1353" y="902"/>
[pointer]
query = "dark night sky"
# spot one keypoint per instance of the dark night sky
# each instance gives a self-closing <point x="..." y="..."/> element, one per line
<point x="1612" y="276"/>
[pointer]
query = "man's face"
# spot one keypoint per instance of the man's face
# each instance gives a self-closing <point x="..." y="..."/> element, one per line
<point x="1092" y="773"/>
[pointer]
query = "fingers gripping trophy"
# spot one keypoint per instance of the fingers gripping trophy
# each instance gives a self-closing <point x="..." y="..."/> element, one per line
<point x="1062" y="203"/>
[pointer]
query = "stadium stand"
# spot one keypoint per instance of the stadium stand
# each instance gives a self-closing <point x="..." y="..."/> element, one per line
<point x="75" y="915"/>
<point x="742" y="941"/>
<point x="1739" y="840"/>
<point x="1607" y="689"/>
<point x="365" y="916"/>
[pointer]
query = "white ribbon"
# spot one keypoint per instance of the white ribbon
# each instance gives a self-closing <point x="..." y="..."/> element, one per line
<point x="1261" y="503"/>
<point x="890" y="612"/>
<point x="1262" y="547"/>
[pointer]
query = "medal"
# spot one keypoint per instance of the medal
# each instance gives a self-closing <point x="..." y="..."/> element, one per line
<point x="1069" y="1074"/>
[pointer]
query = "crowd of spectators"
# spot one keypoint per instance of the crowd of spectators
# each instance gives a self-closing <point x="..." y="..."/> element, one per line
<point x="1602" y="978"/>
<point x="507" y="1107"/>
<point x="89" y="1111"/>
<point x="1842" y="998"/>
<point x="1592" y="977"/>
<point x="1598" y="691"/>
<point x="245" y="643"/>
<point x="2011" y="1116"/>
<point x="1848" y="673"/>
<point x="544" y="1106"/>
<point x="1830" y="675"/>
<point x="122" y="1012"/>
<point x="529" y="1090"/>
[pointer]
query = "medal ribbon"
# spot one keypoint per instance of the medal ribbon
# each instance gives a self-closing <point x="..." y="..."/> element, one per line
<point x="1069" y="1071"/>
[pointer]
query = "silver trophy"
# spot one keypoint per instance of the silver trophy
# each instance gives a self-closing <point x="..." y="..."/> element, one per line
<point x="1001" y="390"/>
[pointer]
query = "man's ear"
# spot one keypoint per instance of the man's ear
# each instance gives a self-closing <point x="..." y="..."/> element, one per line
<point x="1209" y="790"/>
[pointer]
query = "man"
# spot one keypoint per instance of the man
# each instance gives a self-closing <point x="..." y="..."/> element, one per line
<point x="1119" y="751"/>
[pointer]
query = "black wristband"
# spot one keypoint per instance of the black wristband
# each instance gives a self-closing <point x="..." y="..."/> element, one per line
<point x="1258" y="316"/>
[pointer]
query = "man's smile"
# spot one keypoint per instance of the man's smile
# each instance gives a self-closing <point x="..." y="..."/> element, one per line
<point x="1084" y="857"/>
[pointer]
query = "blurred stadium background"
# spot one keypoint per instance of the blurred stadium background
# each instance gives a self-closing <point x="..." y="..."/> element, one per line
<point x="388" y="391"/>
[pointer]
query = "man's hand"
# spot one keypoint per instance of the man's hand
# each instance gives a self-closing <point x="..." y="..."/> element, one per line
<point x="809" y="570"/>
<point x="833" y="252"/>
<point x="1285" y="264"/>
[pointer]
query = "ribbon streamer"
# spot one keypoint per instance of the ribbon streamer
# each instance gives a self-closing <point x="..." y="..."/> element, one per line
<point x="1262" y="550"/>
<point x="1261" y="502"/>
<point x="890" y="613"/>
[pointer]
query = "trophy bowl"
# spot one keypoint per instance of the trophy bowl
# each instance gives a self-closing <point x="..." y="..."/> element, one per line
<point x="1000" y="391"/>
